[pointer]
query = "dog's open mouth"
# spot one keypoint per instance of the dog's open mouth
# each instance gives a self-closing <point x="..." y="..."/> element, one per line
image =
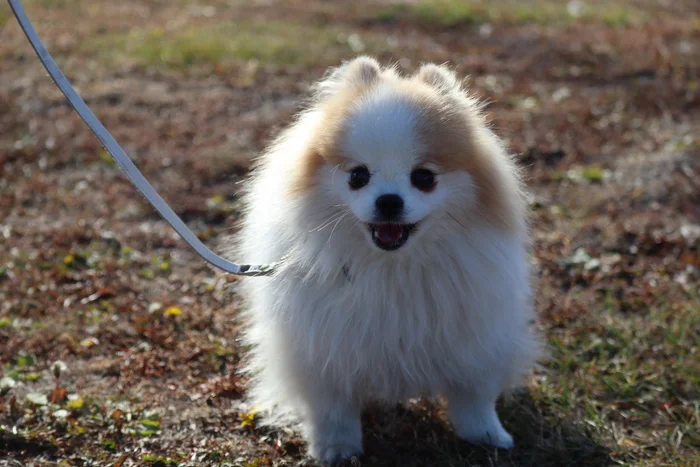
<point x="390" y="236"/>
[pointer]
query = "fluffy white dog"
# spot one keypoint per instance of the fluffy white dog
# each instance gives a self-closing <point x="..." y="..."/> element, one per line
<point x="401" y="221"/>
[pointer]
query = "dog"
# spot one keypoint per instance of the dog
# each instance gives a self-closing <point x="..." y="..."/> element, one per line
<point x="402" y="222"/>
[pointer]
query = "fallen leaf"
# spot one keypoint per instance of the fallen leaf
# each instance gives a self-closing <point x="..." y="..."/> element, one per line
<point x="89" y="342"/>
<point x="58" y="395"/>
<point x="248" y="418"/>
<point x="102" y="293"/>
<point x="6" y="384"/>
<point x="76" y="403"/>
<point x="121" y="460"/>
<point x="215" y="201"/>
<point x="37" y="398"/>
<point x="151" y="424"/>
<point x="173" y="311"/>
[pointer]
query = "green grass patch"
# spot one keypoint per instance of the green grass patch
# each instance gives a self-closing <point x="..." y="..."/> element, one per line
<point x="157" y="461"/>
<point x="267" y="42"/>
<point x="450" y="13"/>
<point x="635" y="373"/>
<point x="591" y="174"/>
<point x="5" y="13"/>
<point x="56" y="4"/>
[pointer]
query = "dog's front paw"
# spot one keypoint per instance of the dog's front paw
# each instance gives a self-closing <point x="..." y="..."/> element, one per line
<point x="479" y="424"/>
<point x="334" y="435"/>
<point x="494" y="435"/>
<point x="335" y="451"/>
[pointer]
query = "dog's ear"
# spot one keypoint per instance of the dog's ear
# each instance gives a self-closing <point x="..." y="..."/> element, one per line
<point x="361" y="72"/>
<point x="439" y="77"/>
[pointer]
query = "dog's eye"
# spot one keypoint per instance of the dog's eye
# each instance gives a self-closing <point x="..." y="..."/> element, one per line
<point x="359" y="177"/>
<point x="423" y="179"/>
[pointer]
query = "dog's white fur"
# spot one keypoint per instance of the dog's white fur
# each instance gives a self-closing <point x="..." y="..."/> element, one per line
<point x="343" y="322"/>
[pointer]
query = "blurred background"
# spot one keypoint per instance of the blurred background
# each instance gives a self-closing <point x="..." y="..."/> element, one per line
<point x="119" y="347"/>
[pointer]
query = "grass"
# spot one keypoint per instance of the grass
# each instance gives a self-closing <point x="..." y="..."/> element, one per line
<point x="5" y="13"/>
<point x="451" y="13"/>
<point x="617" y="372"/>
<point x="267" y="42"/>
<point x="59" y="4"/>
<point x="590" y="174"/>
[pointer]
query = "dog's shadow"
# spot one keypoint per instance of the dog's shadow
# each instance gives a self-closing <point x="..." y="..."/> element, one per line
<point x="416" y="434"/>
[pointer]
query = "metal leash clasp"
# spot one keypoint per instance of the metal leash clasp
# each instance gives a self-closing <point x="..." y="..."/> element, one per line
<point x="124" y="162"/>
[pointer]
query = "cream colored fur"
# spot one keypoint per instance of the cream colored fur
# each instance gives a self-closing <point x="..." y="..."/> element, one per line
<point x="342" y="322"/>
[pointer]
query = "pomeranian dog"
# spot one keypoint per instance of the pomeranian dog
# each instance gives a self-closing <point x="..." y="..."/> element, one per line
<point x="401" y="222"/>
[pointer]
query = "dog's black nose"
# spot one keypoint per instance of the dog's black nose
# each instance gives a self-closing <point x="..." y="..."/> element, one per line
<point x="389" y="206"/>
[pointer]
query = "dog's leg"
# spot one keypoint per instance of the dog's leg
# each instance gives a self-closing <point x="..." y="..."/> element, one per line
<point x="333" y="430"/>
<point x="473" y="414"/>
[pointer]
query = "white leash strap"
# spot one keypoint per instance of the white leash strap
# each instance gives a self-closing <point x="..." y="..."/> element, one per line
<point x="118" y="154"/>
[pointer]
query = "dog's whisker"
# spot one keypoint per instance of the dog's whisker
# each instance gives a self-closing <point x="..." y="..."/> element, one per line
<point x="355" y="224"/>
<point x="457" y="221"/>
<point x="331" y="218"/>
<point x="329" y="221"/>
<point x="315" y="214"/>
<point x="334" y="206"/>
<point x="334" y="227"/>
<point x="333" y="171"/>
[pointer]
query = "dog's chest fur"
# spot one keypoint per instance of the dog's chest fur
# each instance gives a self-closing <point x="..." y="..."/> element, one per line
<point x="396" y="329"/>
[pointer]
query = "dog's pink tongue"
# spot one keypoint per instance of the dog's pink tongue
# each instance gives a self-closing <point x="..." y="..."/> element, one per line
<point x="389" y="233"/>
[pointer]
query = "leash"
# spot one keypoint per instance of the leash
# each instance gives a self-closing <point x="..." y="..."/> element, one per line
<point x="124" y="162"/>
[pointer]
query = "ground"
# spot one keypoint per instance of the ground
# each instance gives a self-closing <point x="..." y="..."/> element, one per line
<point x="118" y="346"/>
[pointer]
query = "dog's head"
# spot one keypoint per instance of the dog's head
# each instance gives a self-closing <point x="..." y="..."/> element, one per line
<point x="405" y="155"/>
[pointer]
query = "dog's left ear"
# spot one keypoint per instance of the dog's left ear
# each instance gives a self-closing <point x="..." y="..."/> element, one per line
<point x="363" y="71"/>
<point x="439" y="77"/>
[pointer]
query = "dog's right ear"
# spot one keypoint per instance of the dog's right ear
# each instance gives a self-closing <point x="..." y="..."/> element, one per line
<point x="439" y="77"/>
<point x="360" y="72"/>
